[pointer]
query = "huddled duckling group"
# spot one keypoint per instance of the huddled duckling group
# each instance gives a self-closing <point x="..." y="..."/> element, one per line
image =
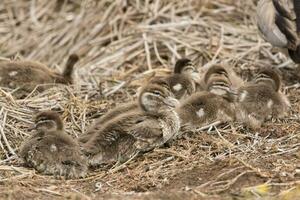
<point x="164" y="105"/>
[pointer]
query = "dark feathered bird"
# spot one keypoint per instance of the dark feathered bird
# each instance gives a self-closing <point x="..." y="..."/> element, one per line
<point x="279" y="23"/>
<point x="51" y="151"/>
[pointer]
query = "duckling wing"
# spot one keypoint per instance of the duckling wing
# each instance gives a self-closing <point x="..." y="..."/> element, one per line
<point x="148" y="135"/>
<point x="106" y="118"/>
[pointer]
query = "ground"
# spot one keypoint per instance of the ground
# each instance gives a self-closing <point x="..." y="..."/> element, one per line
<point x="121" y="44"/>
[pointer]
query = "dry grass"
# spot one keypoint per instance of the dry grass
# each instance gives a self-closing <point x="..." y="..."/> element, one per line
<point x="122" y="43"/>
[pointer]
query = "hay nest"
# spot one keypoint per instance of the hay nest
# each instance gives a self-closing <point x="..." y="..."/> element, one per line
<point x="121" y="44"/>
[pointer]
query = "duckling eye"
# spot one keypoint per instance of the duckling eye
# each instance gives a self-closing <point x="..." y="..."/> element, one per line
<point x="158" y="93"/>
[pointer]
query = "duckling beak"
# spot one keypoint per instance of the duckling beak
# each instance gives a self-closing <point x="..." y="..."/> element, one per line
<point x="171" y="102"/>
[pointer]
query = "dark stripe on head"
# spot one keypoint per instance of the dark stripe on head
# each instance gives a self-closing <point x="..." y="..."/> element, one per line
<point x="49" y="115"/>
<point x="269" y="73"/>
<point x="216" y="69"/>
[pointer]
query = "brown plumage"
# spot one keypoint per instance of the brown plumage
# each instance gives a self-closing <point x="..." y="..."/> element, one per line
<point x="182" y="82"/>
<point x="25" y="76"/>
<point x="51" y="151"/>
<point x="261" y="99"/>
<point x="279" y="23"/>
<point x="109" y="116"/>
<point x="150" y="126"/>
<point x="203" y="108"/>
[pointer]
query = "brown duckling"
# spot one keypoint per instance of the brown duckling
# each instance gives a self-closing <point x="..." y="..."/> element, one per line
<point x="183" y="81"/>
<point x="25" y="76"/>
<point x="203" y="108"/>
<point x="51" y="151"/>
<point x="138" y="131"/>
<point x="261" y="99"/>
<point x="279" y="23"/>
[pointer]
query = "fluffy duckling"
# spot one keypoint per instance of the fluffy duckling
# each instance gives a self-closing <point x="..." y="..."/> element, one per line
<point x="183" y="81"/>
<point x="165" y="82"/>
<point x="279" y="23"/>
<point x="203" y="108"/>
<point x="261" y="99"/>
<point x="138" y="131"/>
<point x="26" y="75"/>
<point x="51" y="151"/>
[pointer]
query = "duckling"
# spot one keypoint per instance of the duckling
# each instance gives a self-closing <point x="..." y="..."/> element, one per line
<point x="261" y="99"/>
<point x="51" y="151"/>
<point x="204" y="107"/>
<point x="279" y="23"/>
<point x="183" y="81"/>
<point x="124" y="108"/>
<point x="138" y="131"/>
<point x="26" y="75"/>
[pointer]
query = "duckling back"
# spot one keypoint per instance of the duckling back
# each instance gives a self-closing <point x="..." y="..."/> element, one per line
<point x="25" y="76"/>
<point x="109" y="116"/>
<point x="203" y="108"/>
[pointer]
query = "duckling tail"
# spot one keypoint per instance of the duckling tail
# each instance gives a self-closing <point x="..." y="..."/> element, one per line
<point x="73" y="59"/>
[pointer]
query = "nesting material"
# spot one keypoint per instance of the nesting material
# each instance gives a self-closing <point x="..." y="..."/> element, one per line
<point x="121" y="44"/>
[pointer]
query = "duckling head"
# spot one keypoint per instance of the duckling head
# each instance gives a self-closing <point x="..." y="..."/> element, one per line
<point x="48" y="121"/>
<point x="216" y="70"/>
<point x="162" y="81"/>
<point x="185" y="66"/>
<point x="154" y="98"/>
<point x="219" y="85"/>
<point x="269" y="76"/>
